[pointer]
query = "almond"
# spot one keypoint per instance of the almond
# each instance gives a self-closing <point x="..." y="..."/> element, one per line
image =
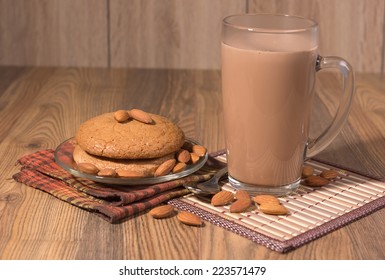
<point x="179" y="167"/>
<point x="107" y="172"/>
<point x="265" y="198"/>
<point x="189" y="218"/>
<point x="199" y="150"/>
<point x="329" y="174"/>
<point x="316" y="181"/>
<point x="163" y="211"/>
<point x="165" y="168"/>
<point x="242" y="194"/>
<point x="121" y="115"/>
<point x="240" y="205"/>
<point x="88" y="168"/>
<point x="140" y="115"/>
<point x="222" y="198"/>
<point x="129" y="174"/>
<point x="183" y="156"/>
<point x="194" y="158"/>
<point x="307" y="171"/>
<point x="273" y="209"/>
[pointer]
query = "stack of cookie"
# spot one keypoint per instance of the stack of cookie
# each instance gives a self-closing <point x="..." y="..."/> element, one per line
<point x="128" y="144"/>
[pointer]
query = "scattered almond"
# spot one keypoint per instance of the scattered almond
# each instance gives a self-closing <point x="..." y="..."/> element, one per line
<point x="179" y="167"/>
<point x="222" y="198"/>
<point x="194" y="158"/>
<point x="242" y="194"/>
<point x="265" y="198"/>
<point x="240" y="205"/>
<point x="316" y="181"/>
<point x="88" y="168"/>
<point x="329" y="174"/>
<point x="163" y="211"/>
<point x="140" y="115"/>
<point x="189" y="218"/>
<point x="307" y="171"/>
<point x="129" y="174"/>
<point x="107" y="172"/>
<point x="183" y="156"/>
<point x="121" y="115"/>
<point x="199" y="150"/>
<point x="273" y="209"/>
<point x="165" y="168"/>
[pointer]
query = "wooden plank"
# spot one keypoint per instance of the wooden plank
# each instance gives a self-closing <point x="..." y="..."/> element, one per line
<point x="35" y="225"/>
<point x="360" y="145"/>
<point x="171" y="33"/>
<point x="53" y="33"/>
<point x="352" y="29"/>
<point x="168" y="33"/>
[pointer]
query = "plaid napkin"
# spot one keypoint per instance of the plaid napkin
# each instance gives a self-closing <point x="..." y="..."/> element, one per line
<point x="113" y="203"/>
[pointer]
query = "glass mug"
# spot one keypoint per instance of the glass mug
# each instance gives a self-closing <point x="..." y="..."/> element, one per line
<point x="269" y="63"/>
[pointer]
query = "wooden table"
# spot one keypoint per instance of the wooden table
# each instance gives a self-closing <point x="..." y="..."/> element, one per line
<point x="41" y="107"/>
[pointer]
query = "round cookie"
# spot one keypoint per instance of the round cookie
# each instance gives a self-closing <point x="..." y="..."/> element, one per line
<point x="131" y="139"/>
<point x="146" y="167"/>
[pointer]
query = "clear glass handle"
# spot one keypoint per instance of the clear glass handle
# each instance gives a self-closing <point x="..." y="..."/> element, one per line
<point x="323" y="140"/>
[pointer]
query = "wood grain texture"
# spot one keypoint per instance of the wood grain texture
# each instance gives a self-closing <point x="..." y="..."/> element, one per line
<point x="35" y="225"/>
<point x="53" y="33"/>
<point x="351" y="29"/>
<point x="171" y="33"/>
<point x="168" y="33"/>
<point x="362" y="140"/>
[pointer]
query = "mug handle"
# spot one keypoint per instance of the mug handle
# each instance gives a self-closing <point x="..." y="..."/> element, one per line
<point x="314" y="146"/>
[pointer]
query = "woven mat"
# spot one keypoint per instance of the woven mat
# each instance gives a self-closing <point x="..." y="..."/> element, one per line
<point x="314" y="212"/>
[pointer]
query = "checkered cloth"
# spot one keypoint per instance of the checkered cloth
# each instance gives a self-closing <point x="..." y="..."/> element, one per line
<point x="113" y="203"/>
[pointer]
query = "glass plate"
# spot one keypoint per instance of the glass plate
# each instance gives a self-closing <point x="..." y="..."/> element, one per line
<point x="63" y="157"/>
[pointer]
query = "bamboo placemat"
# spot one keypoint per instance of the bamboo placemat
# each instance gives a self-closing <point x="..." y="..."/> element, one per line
<point x="314" y="212"/>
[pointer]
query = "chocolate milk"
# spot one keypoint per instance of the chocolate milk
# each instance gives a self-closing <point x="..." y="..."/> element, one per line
<point x="267" y="99"/>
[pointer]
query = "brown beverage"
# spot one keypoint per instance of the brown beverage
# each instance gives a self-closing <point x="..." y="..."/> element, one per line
<point x="269" y="63"/>
<point x="267" y="97"/>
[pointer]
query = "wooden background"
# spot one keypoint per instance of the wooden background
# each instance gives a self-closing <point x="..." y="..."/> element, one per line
<point x="171" y="33"/>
